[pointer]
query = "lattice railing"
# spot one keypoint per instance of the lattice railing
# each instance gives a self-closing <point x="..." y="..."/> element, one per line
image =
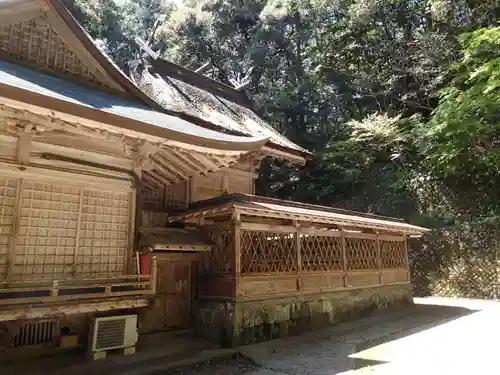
<point x="393" y="254"/>
<point x="220" y="259"/>
<point x="320" y="253"/>
<point x="361" y="253"/>
<point x="267" y="252"/>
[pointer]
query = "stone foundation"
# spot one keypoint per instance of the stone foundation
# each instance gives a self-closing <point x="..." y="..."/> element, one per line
<point x="242" y="323"/>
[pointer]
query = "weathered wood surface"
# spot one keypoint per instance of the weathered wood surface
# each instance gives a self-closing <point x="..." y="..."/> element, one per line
<point x="278" y="259"/>
<point x="50" y="292"/>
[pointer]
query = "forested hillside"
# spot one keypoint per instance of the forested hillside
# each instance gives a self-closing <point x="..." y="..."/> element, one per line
<point x="398" y="99"/>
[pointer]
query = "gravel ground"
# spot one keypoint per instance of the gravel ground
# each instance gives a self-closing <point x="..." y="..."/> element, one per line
<point x="228" y="366"/>
<point x="454" y="339"/>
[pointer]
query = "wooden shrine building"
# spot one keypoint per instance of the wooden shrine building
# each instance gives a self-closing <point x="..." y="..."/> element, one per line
<point x="131" y="200"/>
<point x="79" y="142"/>
<point x="272" y="266"/>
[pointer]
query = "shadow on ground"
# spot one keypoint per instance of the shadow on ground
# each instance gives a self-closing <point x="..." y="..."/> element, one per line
<point x="329" y="351"/>
<point x="423" y="317"/>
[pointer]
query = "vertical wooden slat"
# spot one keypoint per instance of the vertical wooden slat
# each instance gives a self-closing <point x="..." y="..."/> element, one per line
<point x="299" y="256"/>
<point x="154" y="274"/>
<point x="78" y="230"/>
<point x="407" y="257"/>
<point x="344" y="257"/>
<point x="236" y="244"/>
<point x="225" y="182"/>
<point x="378" y="259"/>
<point x="15" y="229"/>
<point x="187" y="193"/>
<point x="192" y="189"/>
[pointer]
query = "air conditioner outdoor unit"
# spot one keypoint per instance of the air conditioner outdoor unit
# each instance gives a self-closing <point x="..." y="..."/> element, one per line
<point x="113" y="332"/>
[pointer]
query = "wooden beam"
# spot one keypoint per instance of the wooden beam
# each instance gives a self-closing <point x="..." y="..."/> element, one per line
<point x="178" y="163"/>
<point x="164" y="167"/>
<point x="150" y="181"/>
<point x="24" y="147"/>
<point x="154" y="176"/>
<point x="210" y="164"/>
<point x="31" y="312"/>
<point x="265" y="227"/>
<point x="186" y="158"/>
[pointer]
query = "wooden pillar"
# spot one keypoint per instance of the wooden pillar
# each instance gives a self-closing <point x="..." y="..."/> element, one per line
<point x="188" y="193"/>
<point x="224" y="183"/>
<point x="344" y="256"/>
<point x="298" y="249"/>
<point x="407" y="258"/>
<point x="154" y="274"/>
<point x="236" y="229"/>
<point x="192" y="189"/>
<point x="378" y="258"/>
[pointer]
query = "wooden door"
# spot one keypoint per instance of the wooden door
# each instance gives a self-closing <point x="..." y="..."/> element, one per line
<point x="173" y="294"/>
<point x="178" y="294"/>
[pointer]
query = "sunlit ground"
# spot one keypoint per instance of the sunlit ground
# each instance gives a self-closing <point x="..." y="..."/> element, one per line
<point x="468" y="344"/>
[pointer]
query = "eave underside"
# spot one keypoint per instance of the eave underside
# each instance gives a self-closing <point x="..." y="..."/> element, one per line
<point x="156" y="163"/>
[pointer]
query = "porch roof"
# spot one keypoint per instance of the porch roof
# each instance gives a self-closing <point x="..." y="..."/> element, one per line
<point x="275" y="208"/>
<point x="175" y="239"/>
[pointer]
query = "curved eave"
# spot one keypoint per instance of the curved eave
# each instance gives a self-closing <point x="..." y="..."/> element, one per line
<point x="22" y="85"/>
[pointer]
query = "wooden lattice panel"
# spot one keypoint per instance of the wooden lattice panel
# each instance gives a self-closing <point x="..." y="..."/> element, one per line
<point x="361" y="253"/>
<point x="47" y="230"/>
<point x="393" y="254"/>
<point x="103" y="239"/>
<point x="321" y="253"/>
<point x="219" y="260"/>
<point x="267" y="252"/>
<point x="175" y="196"/>
<point x="8" y="189"/>
<point x="36" y="43"/>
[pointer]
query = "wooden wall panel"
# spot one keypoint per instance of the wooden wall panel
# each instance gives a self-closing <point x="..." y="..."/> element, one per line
<point x="265" y="286"/>
<point x="362" y="278"/>
<point x="394" y="276"/>
<point x="322" y="281"/>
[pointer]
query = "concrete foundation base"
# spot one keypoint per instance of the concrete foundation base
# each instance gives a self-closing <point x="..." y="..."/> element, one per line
<point x="241" y="323"/>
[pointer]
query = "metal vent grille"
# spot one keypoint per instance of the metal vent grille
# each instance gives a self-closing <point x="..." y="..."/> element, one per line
<point x="110" y="334"/>
<point x="36" y="333"/>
